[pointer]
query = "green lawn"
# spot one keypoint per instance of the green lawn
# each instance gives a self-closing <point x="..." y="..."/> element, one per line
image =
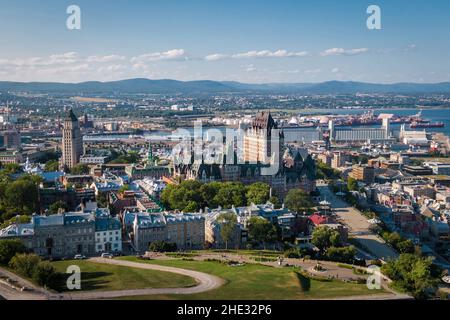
<point x="254" y="281"/>
<point x="103" y="277"/>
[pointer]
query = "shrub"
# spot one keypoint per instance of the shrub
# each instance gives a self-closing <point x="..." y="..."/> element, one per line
<point x="46" y="275"/>
<point x="24" y="264"/>
<point x="162" y="246"/>
<point x="345" y="254"/>
<point x="292" y="254"/>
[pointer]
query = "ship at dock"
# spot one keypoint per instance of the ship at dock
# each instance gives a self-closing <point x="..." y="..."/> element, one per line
<point x="427" y="125"/>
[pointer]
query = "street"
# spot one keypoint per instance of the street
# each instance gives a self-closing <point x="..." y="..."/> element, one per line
<point x="359" y="227"/>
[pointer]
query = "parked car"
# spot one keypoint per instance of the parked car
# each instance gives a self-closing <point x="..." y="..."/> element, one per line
<point x="107" y="255"/>
<point x="79" y="257"/>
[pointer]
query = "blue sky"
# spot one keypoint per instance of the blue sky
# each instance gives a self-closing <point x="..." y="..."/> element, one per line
<point x="246" y="40"/>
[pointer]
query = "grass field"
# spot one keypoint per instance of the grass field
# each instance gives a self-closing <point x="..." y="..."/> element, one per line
<point x="254" y="281"/>
<point x="102" y="277"/>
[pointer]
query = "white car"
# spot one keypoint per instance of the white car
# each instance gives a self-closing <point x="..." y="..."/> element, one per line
<point x="107" y="255"/>
<point x="79" y="257"/>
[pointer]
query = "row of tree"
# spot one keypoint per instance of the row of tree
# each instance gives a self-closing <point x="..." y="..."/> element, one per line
<point x="191" y="196"/>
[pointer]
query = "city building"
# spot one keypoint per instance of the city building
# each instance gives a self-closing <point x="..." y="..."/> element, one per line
<point x="294" y="168"/>
<point x="438" y="167"/>
<point x="349" y="135"/>
<point x="258" y="140"/>
<point x="64" y="235"/>
<point x="72" y="142"/>
<point x="363" y="173"/>
<point x="187" y="231"/>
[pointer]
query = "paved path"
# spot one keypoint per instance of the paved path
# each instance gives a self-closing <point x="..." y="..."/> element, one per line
<point x="206" y="282"/>
<point x="358" y="226"/>
<point x="9" y="293"/>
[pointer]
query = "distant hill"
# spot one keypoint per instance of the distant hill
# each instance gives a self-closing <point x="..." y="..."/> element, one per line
<point x="166" y="86"/>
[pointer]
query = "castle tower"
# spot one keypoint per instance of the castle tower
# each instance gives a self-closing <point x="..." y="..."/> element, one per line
<point x="72" y="142"/>
<point x="258" y="140"/>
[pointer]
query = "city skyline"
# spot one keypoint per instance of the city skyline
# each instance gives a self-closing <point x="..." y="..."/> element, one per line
<point x="252" y="42"/>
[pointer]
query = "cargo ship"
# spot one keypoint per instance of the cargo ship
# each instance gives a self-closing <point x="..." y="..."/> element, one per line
<point x="425" y="125"/>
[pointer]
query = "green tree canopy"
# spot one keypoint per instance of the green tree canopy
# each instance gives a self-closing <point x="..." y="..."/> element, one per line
<point x="24" y="264"/>
<point x="228" y="227"/>
<point x="413" y="273"/>
<point x="52" y="166"/>
<point x="55" y="207"/>
<point x="258" y="193"/>
<point x="80" y="169"/>
<point x="231" y="194"/>
<point x="352" y="184"/>
<point x="8" y="249"/>
<point x="324" y="237"/>
<point x="298" y="201"/>
<point x="261" y="231"/>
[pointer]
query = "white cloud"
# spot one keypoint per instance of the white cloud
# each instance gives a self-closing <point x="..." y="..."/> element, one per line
<point x="269" y="54"/>
<point x="256" y="54"/>
<point x="343" y="52"/>
<point x="175" y="54"/>
<point x="335" y="70"/>
<point x="107" y="58"/>
<point x="54" y="59"/>
<point x="216" y="57"/>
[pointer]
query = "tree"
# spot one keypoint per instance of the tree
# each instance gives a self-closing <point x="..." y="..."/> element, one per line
<point x="231" y="194"/>
<point x="392" y="238"/>
<point x="258" y="193"/>
<point x="405" y="246"/>
<point x="344" y="254"/>
<point x="80" y="169"/>
<point x="9" y="248"/>
<point x="22" y="194"/>
<point x="261" y="231"/>
<point x="413" y="273"/>
<point x="228" y="227"/>
<point x="55" y="207"/>
<point x="275" y="201"/>
<point x="298" y="201"/>
<point x="24" y="264"/>
<point x="208" y="192"/>
<point x="324" y="237"/>
<point x="44" y="274"/>
<point x="52" y="166"/>
<point x="17" y="219"/>
<point x="11" y="168"/>
<point x="102" y="200"/>
<point x="352" y="184"/>
<point x="325" y="171"/>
